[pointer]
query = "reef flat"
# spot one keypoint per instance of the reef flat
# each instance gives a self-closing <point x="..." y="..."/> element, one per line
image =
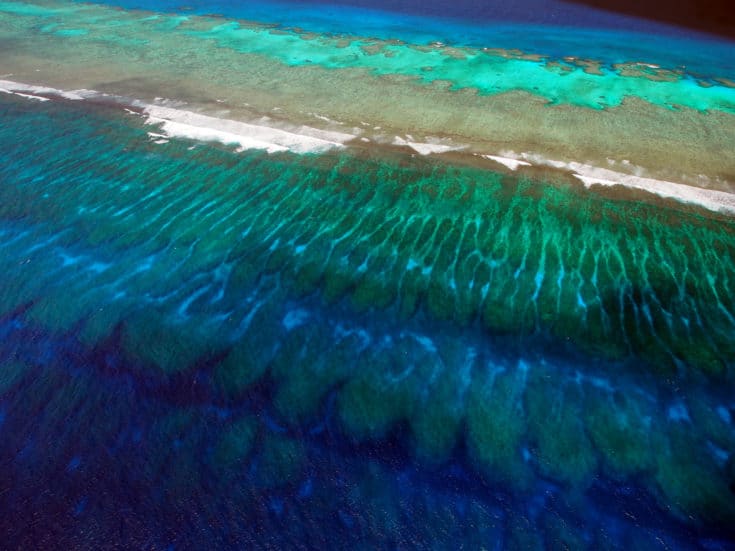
<point x="271" y="289"/>
<point x="641" y="119"/>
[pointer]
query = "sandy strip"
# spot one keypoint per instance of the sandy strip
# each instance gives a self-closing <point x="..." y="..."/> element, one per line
<point x="174" y="122"/>
<point x="19" y="88"/>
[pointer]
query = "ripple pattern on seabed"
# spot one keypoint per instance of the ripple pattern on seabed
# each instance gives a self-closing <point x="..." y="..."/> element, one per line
<point x="546" y="329"/>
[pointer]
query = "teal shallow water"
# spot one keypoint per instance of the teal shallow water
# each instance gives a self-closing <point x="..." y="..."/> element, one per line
<point x="488" y="73"/>
<point x="538" y="339"/>
<point x="537" y="259"/>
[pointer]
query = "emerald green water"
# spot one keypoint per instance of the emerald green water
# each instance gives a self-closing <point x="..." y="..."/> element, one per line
<point x="553" y="334"/>
<point x="534" y="259"/>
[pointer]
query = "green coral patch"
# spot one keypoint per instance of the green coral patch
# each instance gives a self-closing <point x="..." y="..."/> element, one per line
<point x="620" y="429"/>
<point x="158" y="343"/>
<point x="372" y="402"/>
<point x="280" y="461"/>
<point x="496" y="426"/>
<point x="11" y="372"/>
<point x="235" y="444"/>
<point x="558" y="438"/>
<point x="690" y="483"/>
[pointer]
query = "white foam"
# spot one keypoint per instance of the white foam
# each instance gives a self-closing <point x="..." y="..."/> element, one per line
<point x="19" y="87"/>
<point x="425" y="148"/>
<point x="22" y="95"/>
<point x="325" y="119"/>
<point x="708" y="198"/>
<point x="187" y="124"/>
<point x="718" y="201"/>
<point x="31" y="96"/>
<point x="512" y="164"/>
<point x="181" y="130"/>
<point x="174" y="122"/>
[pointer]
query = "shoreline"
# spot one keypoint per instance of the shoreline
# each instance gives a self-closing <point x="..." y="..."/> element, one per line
<point x="267" y="134"/>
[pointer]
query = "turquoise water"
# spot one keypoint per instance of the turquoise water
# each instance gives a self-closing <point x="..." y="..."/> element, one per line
<point x="488" y="74"/>
<point x="352" y="348"/>
<point x="556" y="29"/>
<point x="673" y="85"/>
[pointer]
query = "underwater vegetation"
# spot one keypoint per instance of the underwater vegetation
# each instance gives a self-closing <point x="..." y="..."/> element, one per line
<point x="288" y="350"/>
